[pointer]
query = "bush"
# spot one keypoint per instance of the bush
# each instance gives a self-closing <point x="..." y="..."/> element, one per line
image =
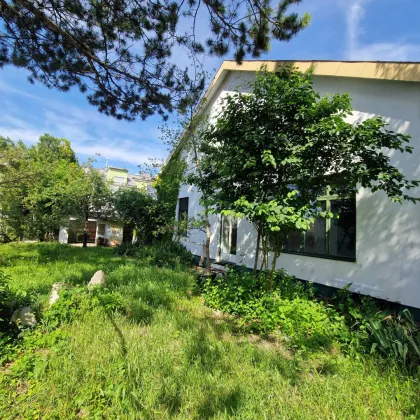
<point x="287" y="305"/>
<point x="101" y="241"/>
<point x="9" y="301"/>
<point x="165" y="254"/>
<point x="355" y="322"/>
<point x="76" y="302"/>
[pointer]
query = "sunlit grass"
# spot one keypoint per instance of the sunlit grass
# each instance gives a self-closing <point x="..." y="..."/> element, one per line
<point x="166" y="355"/>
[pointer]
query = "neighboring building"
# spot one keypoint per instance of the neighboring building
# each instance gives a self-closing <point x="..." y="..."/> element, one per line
<point x="377" y="245"/>
<point x="113" y="232"/>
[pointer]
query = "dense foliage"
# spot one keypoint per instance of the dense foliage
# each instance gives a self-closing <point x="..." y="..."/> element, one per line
<point x="120" y="52"/>
<point x="269" y="155"/>
<point x="166" y="254"/>
<point x="140" y="210"/>
<point x="357" y="325"/>
<point x="36" y="187"/>
<point x="167" y="185"/>
<point x="41" y="186"/>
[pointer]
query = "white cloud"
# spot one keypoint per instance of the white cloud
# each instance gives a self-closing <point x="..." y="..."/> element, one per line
<point x="384" y="51"/>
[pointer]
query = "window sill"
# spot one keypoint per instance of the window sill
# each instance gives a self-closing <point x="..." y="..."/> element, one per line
<point x="324" y="257"/>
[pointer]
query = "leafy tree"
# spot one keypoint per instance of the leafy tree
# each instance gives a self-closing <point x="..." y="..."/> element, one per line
<point x="89" y="197"/>
<point x="140" y="210"/>
<point x="270" y="155"/>
<point x="34" y="186"/>
<point x="119" y="51"/>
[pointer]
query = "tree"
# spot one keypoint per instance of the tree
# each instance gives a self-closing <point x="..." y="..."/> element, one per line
<point x="138" y="209"/>
<point x="271" y="154"/>
<point x="119" y="51"/>
<point x="34" y="186"/>
<point x="90" y="197"/>
<point x="185" y="140"/>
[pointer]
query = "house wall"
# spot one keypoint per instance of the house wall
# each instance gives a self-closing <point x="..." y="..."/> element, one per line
<point x="111" y="173"/>
<point x="113" y="232"/>
<point x="387" y="234"/>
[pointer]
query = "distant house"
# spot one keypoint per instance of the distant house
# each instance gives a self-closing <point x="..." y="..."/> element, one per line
<point x="113" y="232"/>
<point x="376" y="247"/>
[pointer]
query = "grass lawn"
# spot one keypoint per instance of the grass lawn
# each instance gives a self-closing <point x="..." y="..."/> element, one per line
<point x="166" y="355"/>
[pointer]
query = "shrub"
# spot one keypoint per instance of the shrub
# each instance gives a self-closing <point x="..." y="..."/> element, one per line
<point x="76" y="302"/>
<point x="306" y="323"/>
<point x="355" y="322"/>
<point x="9" y="301"/>
<point x="397" y="337"/>
<point x="165" y="254"/>
<point x="101" y="241"/>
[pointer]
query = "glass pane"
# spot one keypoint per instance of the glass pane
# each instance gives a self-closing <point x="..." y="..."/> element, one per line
<point x="294" y="242"/>
<point x="343" y="229"/>
<point x="233" y="236"/>
<point x="315" y="237"/>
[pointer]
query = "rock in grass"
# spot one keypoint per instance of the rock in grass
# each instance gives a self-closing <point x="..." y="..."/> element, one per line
<point x="24" y="316"/>
<point x="98" y="279"/>
<point x="54" y="295"/>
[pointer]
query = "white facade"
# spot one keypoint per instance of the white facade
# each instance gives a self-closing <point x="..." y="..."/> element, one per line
<point x="387" y="262"/>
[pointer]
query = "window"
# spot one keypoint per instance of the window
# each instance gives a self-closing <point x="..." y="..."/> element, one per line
<point x="335" y="238"/>
<point x="183" y="213"/>
<point x="101" y="229"/>
<point x="229" y="235"/>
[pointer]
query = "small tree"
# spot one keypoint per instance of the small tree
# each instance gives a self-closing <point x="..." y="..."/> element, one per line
<point x="270" y="154"/>
<point x="140" y="210"/>
<point x="90" y="197"/>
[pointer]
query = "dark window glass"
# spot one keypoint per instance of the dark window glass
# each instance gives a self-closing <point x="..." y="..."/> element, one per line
<point x="233" y="236"/>
<point x="343" y="230"/>
<point x="183" y="212"/>
<point x="294" y="242"/>
<point x="314" y="238"/>
<point x="331" y="237"/>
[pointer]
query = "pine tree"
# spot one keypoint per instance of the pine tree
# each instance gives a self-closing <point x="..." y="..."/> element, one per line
<point x="118" y="52"/>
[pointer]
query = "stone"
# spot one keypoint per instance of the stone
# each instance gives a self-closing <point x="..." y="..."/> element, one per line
<point x="54" y="295"/>
<point x="24" y="316"/>
<point x="98" y="279"/>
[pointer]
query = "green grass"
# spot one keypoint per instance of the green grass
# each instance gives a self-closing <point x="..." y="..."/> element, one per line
<point x="166" y="355"/>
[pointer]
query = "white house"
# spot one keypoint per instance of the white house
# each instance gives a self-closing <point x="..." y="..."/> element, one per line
<point x="382" y="257"/>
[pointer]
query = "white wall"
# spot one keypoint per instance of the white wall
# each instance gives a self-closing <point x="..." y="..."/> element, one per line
<point x="63" y="235"/>
<point x="387" y="234"/>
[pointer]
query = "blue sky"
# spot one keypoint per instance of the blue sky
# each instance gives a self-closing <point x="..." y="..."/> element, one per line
<point x="340" y="30"/>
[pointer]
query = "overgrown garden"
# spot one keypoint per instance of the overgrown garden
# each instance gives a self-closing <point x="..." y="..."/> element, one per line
<point x="146" y="346"/>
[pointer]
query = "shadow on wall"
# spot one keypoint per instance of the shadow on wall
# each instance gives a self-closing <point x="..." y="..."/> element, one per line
<point x="401" y="71"/>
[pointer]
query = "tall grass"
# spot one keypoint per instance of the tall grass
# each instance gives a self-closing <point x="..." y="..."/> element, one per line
<point x="163" y="354"/>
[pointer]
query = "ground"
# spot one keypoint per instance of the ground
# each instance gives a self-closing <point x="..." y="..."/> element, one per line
<point x="163" y="354"/>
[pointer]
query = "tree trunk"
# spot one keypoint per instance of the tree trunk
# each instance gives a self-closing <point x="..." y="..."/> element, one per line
<point x="257" y="251"/>
<point x="207" y="246"/>
<point x="85" y="233"/>
<point x="273" y="265"/>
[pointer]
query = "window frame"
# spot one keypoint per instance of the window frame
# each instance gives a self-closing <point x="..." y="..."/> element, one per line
<point x="327" y="199"/>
